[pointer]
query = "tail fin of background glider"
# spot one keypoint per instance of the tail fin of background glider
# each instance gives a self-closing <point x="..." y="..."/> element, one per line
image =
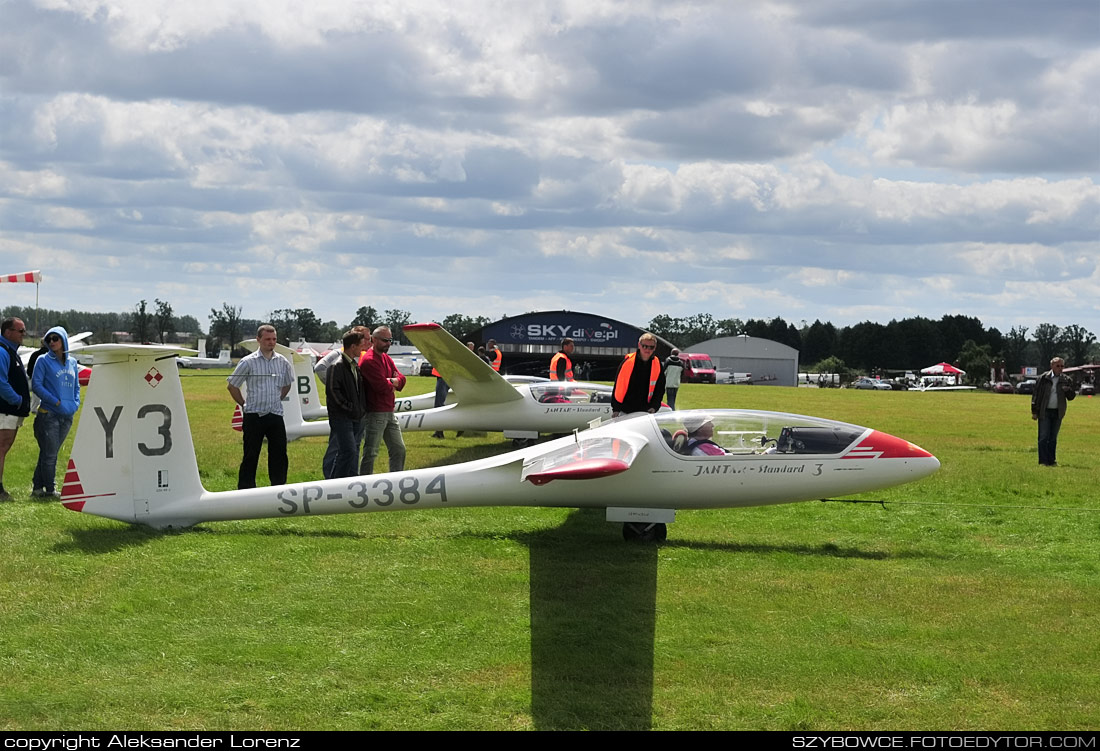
<point x="472" y="379"/>
<point x="133" y="451"/>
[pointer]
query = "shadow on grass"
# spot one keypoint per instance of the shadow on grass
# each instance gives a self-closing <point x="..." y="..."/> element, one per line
<point x="827" y="549"/>
<point x="593" y="619"/>
<point x="99" y="541"/>
<point x="108" y="539"/>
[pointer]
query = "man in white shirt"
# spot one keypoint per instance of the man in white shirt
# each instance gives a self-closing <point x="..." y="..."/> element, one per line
<point x="268" y="377"/>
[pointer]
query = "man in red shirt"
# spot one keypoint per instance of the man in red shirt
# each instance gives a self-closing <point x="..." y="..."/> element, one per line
<point x="383" y="379"/>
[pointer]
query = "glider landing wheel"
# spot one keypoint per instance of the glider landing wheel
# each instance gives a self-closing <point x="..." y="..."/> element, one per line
<point x="642" y="532"/>
<point x="519" y="443"/>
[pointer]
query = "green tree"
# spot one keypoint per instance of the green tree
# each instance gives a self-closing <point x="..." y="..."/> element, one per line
<point x="165" y="323"/>
<point x="1076" y="341"/>
<point x="1047" y="337"/>
<point x="141" y="322"/>
<point x="975" y="359"/>
<point x="1015" y="349"/>
<point x="832" y="364"/>
<point x="818" y="342"/>
<point x="396" y="320"/>
<point x="226" y="326"/>
<point x="365" y="316"/>
<point x="462" y="327"/>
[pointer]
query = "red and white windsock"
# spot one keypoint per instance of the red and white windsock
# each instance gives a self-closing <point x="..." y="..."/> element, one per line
<point x="25" y="276"/>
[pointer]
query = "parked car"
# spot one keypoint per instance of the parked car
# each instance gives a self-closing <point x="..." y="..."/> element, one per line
<point x="698" y="368"/>
<point x="1003" y="387"/>
<point x="871" y="383"/>
<point x="1087" y="389"/>
<point x="1026" y="387"/>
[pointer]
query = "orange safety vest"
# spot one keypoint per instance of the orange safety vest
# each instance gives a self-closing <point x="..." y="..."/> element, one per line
<point x="623" y="381"/>
<point x="497" y="358"/>
<point x="554" y="367"/>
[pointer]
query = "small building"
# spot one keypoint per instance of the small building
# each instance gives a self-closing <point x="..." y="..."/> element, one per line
<point x="770" y="363"/>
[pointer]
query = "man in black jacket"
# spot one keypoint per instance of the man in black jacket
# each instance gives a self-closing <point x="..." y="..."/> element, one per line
<point x="346" y="398"/>
<point x="15" y="394"/>
<point x="1048" y="406"/>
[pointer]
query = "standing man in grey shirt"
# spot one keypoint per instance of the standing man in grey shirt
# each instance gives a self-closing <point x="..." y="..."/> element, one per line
<point x="268" y="377"/>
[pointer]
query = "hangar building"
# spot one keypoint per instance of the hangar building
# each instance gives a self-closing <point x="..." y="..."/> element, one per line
<point x="528" y="342"/>
<point x="770" y="363"/>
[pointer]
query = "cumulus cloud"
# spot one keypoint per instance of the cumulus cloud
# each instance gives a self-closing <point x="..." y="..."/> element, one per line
<point x="833" y="160"/>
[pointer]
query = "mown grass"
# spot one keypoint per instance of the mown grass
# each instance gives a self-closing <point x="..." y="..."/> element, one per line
<point x="968" y="601"/>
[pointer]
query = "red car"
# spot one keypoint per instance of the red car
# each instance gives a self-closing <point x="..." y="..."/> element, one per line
<point x="1003" y="387"/>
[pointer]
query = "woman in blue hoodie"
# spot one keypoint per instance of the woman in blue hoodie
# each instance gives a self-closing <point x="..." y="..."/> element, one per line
<point x="55" y="383"/>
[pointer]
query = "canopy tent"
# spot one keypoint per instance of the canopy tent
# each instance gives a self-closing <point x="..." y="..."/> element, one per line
<point x="943" y="368"/>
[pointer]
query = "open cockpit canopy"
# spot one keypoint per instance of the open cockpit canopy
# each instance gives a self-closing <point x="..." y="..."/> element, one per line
<point x="749" y="432"/>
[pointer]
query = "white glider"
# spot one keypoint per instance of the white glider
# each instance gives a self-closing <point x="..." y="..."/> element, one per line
<point x="133" y="460"/>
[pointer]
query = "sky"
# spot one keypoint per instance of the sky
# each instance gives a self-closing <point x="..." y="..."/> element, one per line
<point x="841" y="160"/>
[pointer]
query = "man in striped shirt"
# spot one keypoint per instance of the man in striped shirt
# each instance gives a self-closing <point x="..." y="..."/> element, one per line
<point x="267" y="377"/>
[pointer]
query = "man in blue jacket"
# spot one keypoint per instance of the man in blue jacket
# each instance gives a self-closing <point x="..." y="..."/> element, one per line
<point x="56" y="383"/>
<point x="15" y="395"/>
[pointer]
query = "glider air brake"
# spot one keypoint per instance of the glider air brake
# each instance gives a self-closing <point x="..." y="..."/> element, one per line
<point x="133" y="460"/>
<point x="483" y="400"/>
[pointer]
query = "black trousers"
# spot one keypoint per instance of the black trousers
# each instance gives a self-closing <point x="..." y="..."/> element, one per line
<point x="255" y="429"/>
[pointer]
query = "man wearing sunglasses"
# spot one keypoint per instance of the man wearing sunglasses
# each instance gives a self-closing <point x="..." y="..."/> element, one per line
<point x="640" y="382"/>
<point x="15" y="392"/>
<point x="383" y="379"/>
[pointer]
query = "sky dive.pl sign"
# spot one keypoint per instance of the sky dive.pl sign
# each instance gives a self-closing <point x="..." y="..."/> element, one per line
<point x="551" y="327"/>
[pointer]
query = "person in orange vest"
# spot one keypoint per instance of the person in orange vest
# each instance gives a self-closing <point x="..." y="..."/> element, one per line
<point x="640" y="382"/>
<point x="561" y="367"/>
<point x="494" y="354"/>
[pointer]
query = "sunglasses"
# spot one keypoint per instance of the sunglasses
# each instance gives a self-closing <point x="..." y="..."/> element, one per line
<point x="648" y="346"/>
<point x="52" y="338"/>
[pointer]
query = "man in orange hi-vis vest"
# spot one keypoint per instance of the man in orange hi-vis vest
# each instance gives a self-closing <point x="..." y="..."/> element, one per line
<point x="561" y="367"/>
<point x="494" y="353"/>
<point x="640" y="382"/>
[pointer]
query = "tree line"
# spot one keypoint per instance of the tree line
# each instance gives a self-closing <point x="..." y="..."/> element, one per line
<point x="899" y="345"/>
<point x="866" y="347"/>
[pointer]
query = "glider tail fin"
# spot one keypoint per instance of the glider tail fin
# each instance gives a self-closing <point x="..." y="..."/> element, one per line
<point x="133" y="454"/>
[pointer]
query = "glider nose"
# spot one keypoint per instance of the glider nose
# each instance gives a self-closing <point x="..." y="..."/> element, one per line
<point x="879" y="445"/>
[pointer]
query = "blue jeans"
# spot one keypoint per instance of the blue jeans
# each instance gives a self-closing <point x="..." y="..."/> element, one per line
<point x="670" y="397"/>
<point x="343" y="443"/>
<point x="50" y="430"/>
<point x="1049" y="424"/>
<point x="382" y="426"/>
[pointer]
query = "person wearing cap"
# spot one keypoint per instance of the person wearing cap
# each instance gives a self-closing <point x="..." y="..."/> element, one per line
<point x="700" y="430"/>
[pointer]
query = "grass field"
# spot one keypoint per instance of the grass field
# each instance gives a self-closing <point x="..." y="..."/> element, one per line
<point x="969" y="601"/>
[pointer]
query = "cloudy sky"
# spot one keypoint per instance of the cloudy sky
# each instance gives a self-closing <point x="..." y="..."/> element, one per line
<point x="842" y="160"/>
